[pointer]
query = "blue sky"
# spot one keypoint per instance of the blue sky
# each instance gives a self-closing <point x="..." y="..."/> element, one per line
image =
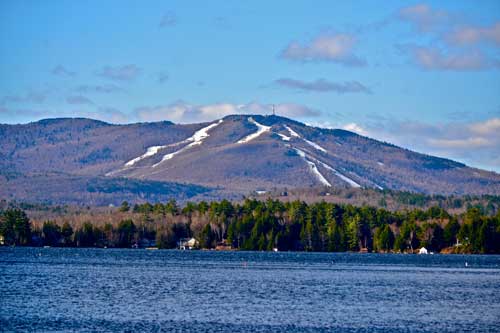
<point x="423" y="75"/>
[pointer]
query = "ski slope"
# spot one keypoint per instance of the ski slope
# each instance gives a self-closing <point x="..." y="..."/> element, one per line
<point x="313" y="168"/>
<point x="312" y="144"/>
<point x="261" y="129"/>
<point x="196" y="139"/>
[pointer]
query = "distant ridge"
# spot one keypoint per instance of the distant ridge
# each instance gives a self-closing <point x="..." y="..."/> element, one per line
<point x="278" y="152"/>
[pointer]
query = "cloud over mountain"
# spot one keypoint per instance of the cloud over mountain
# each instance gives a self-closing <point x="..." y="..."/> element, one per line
<point x="183" y="112"/>
<point x="477" y="141"/>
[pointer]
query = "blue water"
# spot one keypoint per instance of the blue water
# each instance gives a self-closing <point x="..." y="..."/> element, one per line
<point x="89" y="290"/>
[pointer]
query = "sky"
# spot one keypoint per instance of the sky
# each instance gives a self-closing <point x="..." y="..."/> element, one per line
<point x="422" y="75"/>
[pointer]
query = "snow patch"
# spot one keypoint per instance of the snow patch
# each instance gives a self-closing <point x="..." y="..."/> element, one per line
<point x="196" y="139"/>
<point x="260" y="130"/>
<point x="326" y="166"/>
<point x="315" y="145"/>
<point x="341" y="176"/>
<point x="202" y="134"/>
<point x="313" y="168"/>
<point x="151" y="151"/>
<point x="318" y="174"/>
<point x="284" y="137"/>
<point x="292" y="132"/>
<point x="312" y="144"/>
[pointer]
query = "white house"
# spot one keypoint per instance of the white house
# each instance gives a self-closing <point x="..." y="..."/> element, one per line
<point x="187" y="243"/>
<point x="423" y="250"/>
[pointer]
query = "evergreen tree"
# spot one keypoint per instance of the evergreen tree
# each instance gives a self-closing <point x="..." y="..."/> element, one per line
<point x="126" y="232"/>
<point x="16" y="227"/>
<point x="67" y="232"/>
<point x="125" y="207"/>
<point x="51" y="233"/>
<point x="450" y="232"/>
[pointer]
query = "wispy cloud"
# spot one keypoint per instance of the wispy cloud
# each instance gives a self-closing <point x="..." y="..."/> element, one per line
<point x="183" y="112"/>
<point x="356" y="128"/>
<point x="109" y="114"/>
<point x="488" y="127"/>
<point x="456" y="46"/>
<point x="60" y="70"/>
<point x="32" y="97"/>
<point x="433" y="58"/>
<point x="78" y="100"/>
<point x="423" y="17"/>
<point x="476" y="143"/>
<point x="16" y="115"/>
<point x="323" y="85"/>
<point x="168" y="19"/>
<point x="468" y="143"/>
<point x="450" y="26"/>
<point x="338" y="48"/>
<point x="120" y="73"/>
<point x="163" y="77"/>
<point x="470" y="34"/>
<point x="222" y="22"/>
<point x="99" y="89"/>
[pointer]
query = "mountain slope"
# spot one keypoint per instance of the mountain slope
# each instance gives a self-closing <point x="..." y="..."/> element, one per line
<point x="237" y="154"/>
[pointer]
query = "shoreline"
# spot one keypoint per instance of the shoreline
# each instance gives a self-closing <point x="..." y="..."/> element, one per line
<point x="415" y="253"/>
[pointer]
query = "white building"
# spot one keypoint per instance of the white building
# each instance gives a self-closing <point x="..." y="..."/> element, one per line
<point x="423" y="250"/>
<point x="187" y="243"/>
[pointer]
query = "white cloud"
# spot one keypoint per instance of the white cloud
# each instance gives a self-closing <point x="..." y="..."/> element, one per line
<point x="353" y="127"/>
<point x="323" y="85"/>
<point x="470" y="34"/>
<point x="432" y="58"/>
<point x="183" y="112"/>
<point x="110" y="115"/>
<point x="467" y="143"/>
<point x="456" y="46"/>
<point x="488" y="127"/>
<point x="423" y="17"/>
<point x="476" y="143"/>
<point x="337" y="48"/>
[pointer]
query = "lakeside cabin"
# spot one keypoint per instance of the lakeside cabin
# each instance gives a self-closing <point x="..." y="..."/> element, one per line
<point x="423" y="250"/>
<point x="187" y="243"/>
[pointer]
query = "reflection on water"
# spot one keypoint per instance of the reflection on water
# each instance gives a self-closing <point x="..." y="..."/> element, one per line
<point x="136" y="290"/>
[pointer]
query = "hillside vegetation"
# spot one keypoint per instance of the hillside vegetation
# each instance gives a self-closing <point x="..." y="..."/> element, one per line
<point x="259" y="225"/>
<point x="79" y="161"/>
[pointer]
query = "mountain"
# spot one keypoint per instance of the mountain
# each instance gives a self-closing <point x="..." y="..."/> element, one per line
<point x="229" y="157"/>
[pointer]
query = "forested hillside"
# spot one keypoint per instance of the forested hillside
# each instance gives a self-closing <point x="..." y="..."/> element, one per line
<point x="261" y="225"/>
<point x="78" y="161"/>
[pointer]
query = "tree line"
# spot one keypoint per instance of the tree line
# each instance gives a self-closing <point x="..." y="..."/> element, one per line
<point x="268" y="225"/>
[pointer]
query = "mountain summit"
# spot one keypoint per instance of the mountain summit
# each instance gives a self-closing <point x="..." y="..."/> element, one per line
<point x="236" y="154"/>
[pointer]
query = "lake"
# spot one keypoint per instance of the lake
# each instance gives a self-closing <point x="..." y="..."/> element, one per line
<point x="88" y="290"/>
